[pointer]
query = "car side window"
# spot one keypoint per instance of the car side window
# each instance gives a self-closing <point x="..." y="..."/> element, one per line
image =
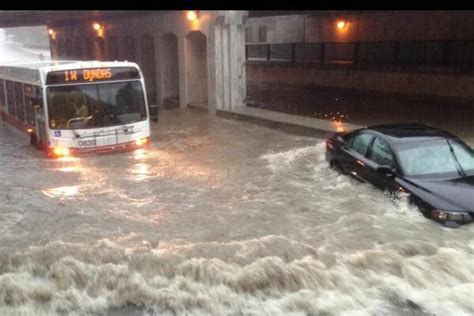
<point x="381" y="153"/>
<point x="360" y="143"/>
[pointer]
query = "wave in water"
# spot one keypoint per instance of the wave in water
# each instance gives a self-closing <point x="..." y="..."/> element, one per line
<point x="268" y="276"/>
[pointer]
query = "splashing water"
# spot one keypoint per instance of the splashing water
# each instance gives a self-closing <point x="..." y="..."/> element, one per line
<point x="217" y="218"/>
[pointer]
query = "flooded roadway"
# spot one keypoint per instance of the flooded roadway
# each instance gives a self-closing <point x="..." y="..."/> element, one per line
<point x="219" y="217"/>
<point x="363" y="108"/>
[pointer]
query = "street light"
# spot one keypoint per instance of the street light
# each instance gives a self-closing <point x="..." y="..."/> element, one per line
<point x="192" y="16"/>
<point x="52" y="33"/>
<point x="341" y="24"/>
<point x="99" y="29"/>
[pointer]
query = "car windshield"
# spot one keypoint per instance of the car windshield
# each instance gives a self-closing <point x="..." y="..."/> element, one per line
<point x="437" y="158"/>
<point x="96" y="105"/>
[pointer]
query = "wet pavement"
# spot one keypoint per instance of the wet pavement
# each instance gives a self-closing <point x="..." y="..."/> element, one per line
<point x="218" y="217"/>
<point x="363" y="108"/>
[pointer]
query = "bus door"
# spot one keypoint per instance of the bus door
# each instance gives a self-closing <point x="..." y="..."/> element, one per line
<point x="40" y="121"/>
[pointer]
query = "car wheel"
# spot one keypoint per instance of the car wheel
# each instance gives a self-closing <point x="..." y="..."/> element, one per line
<point x="336" y="166"/>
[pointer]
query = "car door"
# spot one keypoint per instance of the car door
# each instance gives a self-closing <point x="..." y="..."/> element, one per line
<point x="354" y="157"/>
<point x="380" y="154"/>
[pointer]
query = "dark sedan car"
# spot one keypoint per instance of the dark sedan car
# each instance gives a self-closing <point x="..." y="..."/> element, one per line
<point x="435" y="168"/>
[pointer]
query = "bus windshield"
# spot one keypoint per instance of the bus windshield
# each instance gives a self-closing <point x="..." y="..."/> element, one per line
<point x="96" y="105"/>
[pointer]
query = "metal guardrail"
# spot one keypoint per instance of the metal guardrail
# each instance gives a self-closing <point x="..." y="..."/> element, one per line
<point x="451" y="54"/>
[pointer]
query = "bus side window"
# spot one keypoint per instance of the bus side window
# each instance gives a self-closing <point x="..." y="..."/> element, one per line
<point x="38" y="97"/>
<point x="29" y="93"/>
<point x="19" y="102"/>
<point x="2" y="93"/>
<point x="10" y="98"/>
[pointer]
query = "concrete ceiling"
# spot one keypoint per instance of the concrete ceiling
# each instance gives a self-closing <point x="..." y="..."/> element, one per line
<point x="33" y="18"/>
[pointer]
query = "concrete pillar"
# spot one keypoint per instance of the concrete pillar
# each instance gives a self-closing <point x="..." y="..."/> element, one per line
<point x="158" y="71"/>
<point x="53" y="48"/>
<point x="226" y="70"/>
<point x="225" y="66"/>
<point x="212" y="60"/>
<point x="183" y="82"/>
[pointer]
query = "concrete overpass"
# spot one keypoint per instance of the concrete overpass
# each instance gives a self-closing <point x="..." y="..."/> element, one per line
<point x="36" y="18"/>
<point x="185" y="60"/>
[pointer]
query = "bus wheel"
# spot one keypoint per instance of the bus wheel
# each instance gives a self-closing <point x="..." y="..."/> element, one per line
<point x="33" y="140"/>
<point x="39" y="145"/>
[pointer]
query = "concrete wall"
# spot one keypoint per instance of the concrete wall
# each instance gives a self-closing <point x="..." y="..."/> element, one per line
<point x="366" y="26"/>
<point x="454" y="86"/>
<point x="198" y="70"/>
<point x="369" y="26"/>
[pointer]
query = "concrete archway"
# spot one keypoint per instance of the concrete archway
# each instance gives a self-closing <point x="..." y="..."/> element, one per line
<point x="113" y="48"/>
<point x="61" y="48"/>
<point x="148" y="66"/>
<point x="128" y="48"/>
<point x="169" y="63"/>
<point x="69" y="48"/>
<point x="88" y="49"/>
<point x="196" y="69"/>
<point x="99" y="48"/>
<point x="77" y="48"/>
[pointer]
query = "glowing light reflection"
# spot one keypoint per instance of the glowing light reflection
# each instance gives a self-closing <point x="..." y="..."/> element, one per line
<point x="139" y="154"/>
<point x="140" y="171"/>
<point x="67" y="159"/>
<point x="64" y="191"/>
<point x="70" y="169"/>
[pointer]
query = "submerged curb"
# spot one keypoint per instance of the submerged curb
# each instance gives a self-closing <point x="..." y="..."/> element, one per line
<point x="294" y="124"/>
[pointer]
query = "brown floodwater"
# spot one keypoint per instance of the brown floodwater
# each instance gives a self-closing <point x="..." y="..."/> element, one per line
<point x="218" y="217"/>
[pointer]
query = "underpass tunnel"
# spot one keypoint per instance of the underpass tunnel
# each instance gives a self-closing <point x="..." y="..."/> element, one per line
<point x="99" y="48"/>
<point x="169" y="71"/>
<point x="183" y="62"/>
<point x="113" y="52"/>
<point x="148" y="67"/>
<point x="128" y="49"/>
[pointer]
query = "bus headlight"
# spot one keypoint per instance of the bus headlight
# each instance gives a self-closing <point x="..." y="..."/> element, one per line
<point x="61" y="152"/>
<point x="141" y="141"/>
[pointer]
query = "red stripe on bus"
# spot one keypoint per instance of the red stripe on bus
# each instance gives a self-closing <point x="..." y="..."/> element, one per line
<point x="128" y="146"/>
<point x="18" y="124"/>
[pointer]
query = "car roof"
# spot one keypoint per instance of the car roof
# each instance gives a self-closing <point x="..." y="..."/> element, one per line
<point x="397" y="133"/>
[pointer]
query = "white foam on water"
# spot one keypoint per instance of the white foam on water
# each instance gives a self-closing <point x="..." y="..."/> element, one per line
<point x="251" y="277"/>
<point x="283" y="160"/>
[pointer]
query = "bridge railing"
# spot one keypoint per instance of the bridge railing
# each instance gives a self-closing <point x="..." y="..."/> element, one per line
<point x="435" y="55"/>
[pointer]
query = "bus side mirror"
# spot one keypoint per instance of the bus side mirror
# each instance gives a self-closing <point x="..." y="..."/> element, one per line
<point x="154" y="113"/>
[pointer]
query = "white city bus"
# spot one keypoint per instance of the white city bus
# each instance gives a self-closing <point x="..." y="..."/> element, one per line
<point x="76" y="107"/>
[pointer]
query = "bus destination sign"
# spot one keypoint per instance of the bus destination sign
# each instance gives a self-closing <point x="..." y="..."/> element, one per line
<point x="89" y="75"/>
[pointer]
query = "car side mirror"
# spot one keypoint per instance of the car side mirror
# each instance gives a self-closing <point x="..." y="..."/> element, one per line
<point x="386" y="170"/>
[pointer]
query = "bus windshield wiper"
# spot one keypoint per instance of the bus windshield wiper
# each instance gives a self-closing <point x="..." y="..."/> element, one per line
<point x="458" y="165"/>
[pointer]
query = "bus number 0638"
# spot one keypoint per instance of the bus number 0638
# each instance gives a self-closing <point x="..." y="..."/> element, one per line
<point x="86" y="143"/>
